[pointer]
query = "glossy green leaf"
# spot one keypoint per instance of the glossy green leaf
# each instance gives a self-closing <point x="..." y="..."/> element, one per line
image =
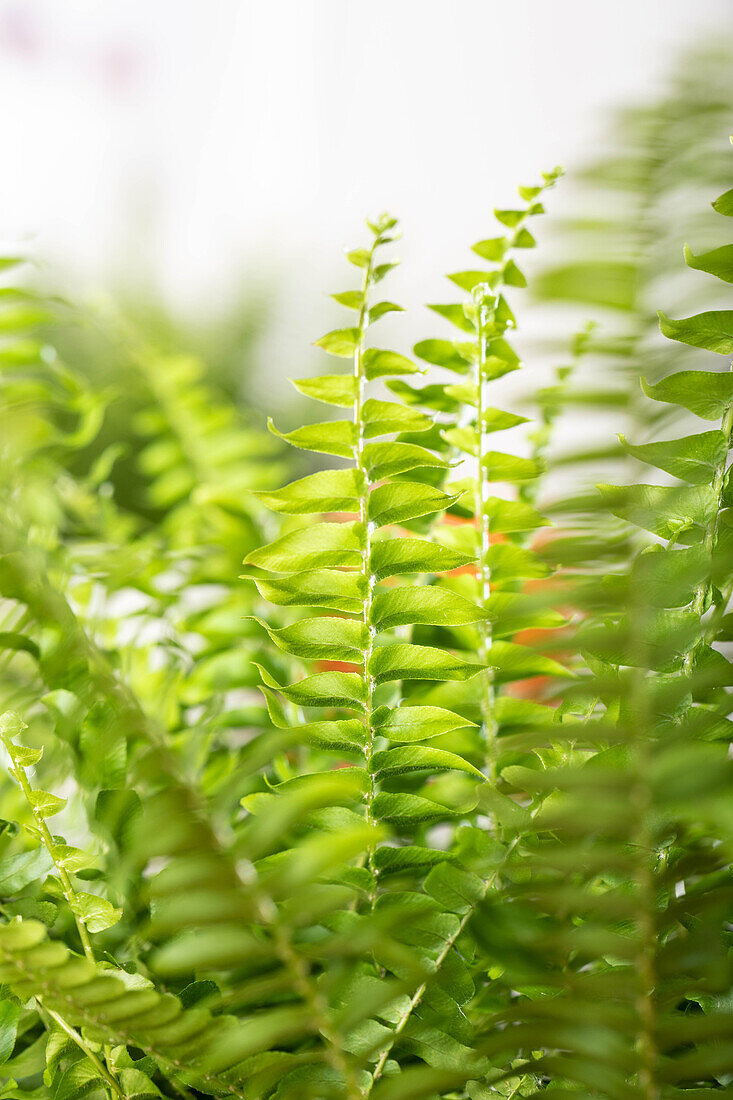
<point x="704" y="393"/>
<point x="95" y="912"/>
<point x="351" y="299"/>
<point x="434" y="397"/>
<point x="331" y="589"/>
<point x="323" y="544"/>
<point x="380" y="363"/>
<point x="691" y="458"/>
<point x="496" y="420"/>
<point x="413" y="662"/>
<point x="418" y="723"/>
<point x="414" y="758"/>
<point x="712" y="330"/>
<point x="334" y="437"/>
<point x="400" y="501"/>
<point x="385" y="417"/>
<point x="322" y="689"/>
<point x="326" y="491"/>
<point x="493" y="249"/>
<point x="333" y="389"/>
<point x="718" y="262"/>
<point x="18" y="871"/>
<point x="379" y="309"/>
<point x="512" y="515"/>
<point x="504" y="467"/>
<point x="394" y="556"/>
<point x="516" y="662"/>
<point x="513" y="276"/>
<point x="683" y="512"/>
<point x="342" y="342"/>
<point x="387" y="459"/>
<point x="324" y="638"/>
<point x="724" y="204"/>
<point x="467" y="280"/>
<point x="408" y="810"/>
<point x="443" y="353"/>
<point x="455" y="314"/>
<point x="429" y="606"/>
<point x="46" y="804"/>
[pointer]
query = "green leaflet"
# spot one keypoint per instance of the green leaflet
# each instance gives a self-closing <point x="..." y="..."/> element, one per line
<point x="455" y="314"/>
<point x="666" y="511"/>
<point x="667" y="636"/>
<point x="712" y="330"/>
<point x="333" y="389"/>
<point x="510" y="218"/>
<point x="325" y="544"/>
<point x="47" y="805"/>
<point x="402" y="501"/>
<point x="394" y="556"/>
<point x="692" y="458"/>
<point x="496" y="420"/>
<point x="467" y="280"/>
<point x="385" y="417"/>
<point x="511" y="612"/>
<point x="324" y="638"/>
<point x="508" y="516"/>
<point x="326" y="491"/>
<point x="444" y="353"/>
<point x="414" y="662"/>
<point x="352" y="299"/>
<point x="464" y="439"/>
<point x="379" y="309"/>
<point x="406" y="723"/>
<point x="409" y="810"/>
<point x="507" y="562"/>
<point x="493" y="249"/>
<point x="718" y="262"/>
<point x="501" y="360"/>
<point x="668" y="578"/>
<point x="724" y="204"/>
<point x="345" y="734"/>
<point x="323" y="689"/>
<point x="386" y="459"/>
<point x="341" y="342"/>
<point x="434" y="397"/>
<point x="380" y="363"/>
<point x="503" y="467"/>
<point x="456" y="890"/>
<point x="428" y="605"/>
<point x="414" y="758"/>
<point x="327" y="588"/>
<point x="18" y="871"/>
<point x="516" y="662"/>
<point x="704" y="393"/>
<point x="95" y="912"/>
<point x="333" y="437"/>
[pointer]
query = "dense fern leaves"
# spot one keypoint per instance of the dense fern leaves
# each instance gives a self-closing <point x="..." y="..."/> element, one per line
<point x="630" y="997"/>
<point x="472" y="835"/>
<point x="359" y="555"/>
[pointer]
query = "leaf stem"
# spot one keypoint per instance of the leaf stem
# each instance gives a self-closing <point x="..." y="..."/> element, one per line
<point x="368" y="579"/>
<point x="80" y="1042"/>
<point x="485" y="312"/>
<point x="718" y="485"/>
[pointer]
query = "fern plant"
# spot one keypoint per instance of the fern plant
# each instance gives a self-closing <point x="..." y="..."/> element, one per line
<point x="477" y="843"/>
<point x="617" y="944"/>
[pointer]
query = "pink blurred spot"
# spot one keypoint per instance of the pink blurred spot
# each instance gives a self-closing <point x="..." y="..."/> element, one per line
<point x="19" y="32"/>
<point x="120" y="67"/>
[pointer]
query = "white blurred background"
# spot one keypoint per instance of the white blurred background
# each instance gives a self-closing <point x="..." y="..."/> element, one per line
<point x="193" y="145"/>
